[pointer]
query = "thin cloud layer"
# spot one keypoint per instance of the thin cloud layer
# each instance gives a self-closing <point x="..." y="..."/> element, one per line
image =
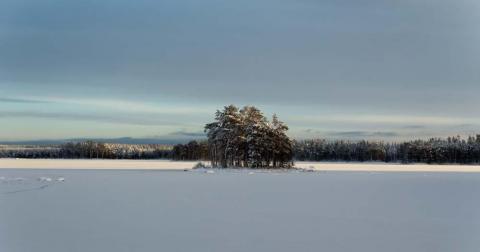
<point x="19" y="100"/>
<point x="329" y="65"/>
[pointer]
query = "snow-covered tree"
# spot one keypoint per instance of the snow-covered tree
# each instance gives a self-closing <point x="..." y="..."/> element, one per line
<point x="245" y="138"/>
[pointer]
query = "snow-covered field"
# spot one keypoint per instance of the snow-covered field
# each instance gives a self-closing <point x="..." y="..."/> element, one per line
<point x="58" y="210"/>
<point x="95" y="164"/>
<point x="385" y="167"/>
<point x="182" y="165"/>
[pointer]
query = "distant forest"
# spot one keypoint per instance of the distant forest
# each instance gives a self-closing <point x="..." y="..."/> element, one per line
<point x="436" y="150"/>
<point x="88" y="150"/>
<point x="453" y="150"/>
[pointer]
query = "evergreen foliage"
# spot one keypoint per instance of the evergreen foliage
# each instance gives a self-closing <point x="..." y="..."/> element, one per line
<point x="88" y="150"/>
<point x="193" y="150"/>
<point x="435" y="150"/>
<point x="246" y="138"/>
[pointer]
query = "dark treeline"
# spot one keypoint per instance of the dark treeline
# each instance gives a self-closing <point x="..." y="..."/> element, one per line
<point x="449" y="150"/>
<point x="193" y="150"/>
<point x="89" y="150"/>
<point x="29" y="151"/>
<point x="435" y="150"/>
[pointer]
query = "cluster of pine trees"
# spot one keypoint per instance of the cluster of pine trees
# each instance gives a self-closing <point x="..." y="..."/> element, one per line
<point x="246" y="138"/>
<point x="435" y="150"/>
<point x="193" y="150"/>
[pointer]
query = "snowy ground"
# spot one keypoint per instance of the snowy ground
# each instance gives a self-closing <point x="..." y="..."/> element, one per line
<point x="95" y="164"/>
<point x="385" y="167"/>
<point x="230" y="210"/>
<point x="181" y="165"/>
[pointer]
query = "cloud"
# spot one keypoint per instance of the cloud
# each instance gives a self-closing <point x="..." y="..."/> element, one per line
<point x="20" y="100"/>
<point x="414" y="127"/>
<point x="122" y="119"/>
<point x="337" y="65"/>
<point x="183" y="133"/>
<point x="392" y="119"/>
<point x="466" y="125"/>
<point x="126" y="105"/>
<point x="325" y="53"/>
<point x="354" y="134"/>
<point x="366" y="134"/>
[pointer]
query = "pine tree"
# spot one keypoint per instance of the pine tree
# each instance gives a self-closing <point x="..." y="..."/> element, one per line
<point x="245" y="138"/>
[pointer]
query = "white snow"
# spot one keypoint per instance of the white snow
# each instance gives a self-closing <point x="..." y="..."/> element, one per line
<point x="123" y="211"/>
<point x="45" y="179"/>
<point x="384" y="167"/>
<point x="187" y="165"/>
<point x="95" y="164"/>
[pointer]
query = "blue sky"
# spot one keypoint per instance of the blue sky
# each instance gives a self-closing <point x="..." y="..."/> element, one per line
<point x="329" y="68"/>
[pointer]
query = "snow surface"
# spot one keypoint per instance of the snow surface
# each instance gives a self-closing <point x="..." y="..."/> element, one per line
<point x="117" y="164"/>
<point x="384" y="167"/>
<point x="235" y="210"/>
<point x="183" y="165"/>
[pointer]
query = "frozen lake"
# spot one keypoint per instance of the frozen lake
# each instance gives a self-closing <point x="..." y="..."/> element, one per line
<point x="110" y="210"/>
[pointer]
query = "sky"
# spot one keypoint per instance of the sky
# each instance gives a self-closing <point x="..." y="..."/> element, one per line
<point x="388" y="70"/>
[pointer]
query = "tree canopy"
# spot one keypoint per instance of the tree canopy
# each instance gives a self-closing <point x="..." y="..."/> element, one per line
<point x="246" y="138"/>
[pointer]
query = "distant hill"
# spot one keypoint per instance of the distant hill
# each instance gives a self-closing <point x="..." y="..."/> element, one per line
<point x="121" y="140"/>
